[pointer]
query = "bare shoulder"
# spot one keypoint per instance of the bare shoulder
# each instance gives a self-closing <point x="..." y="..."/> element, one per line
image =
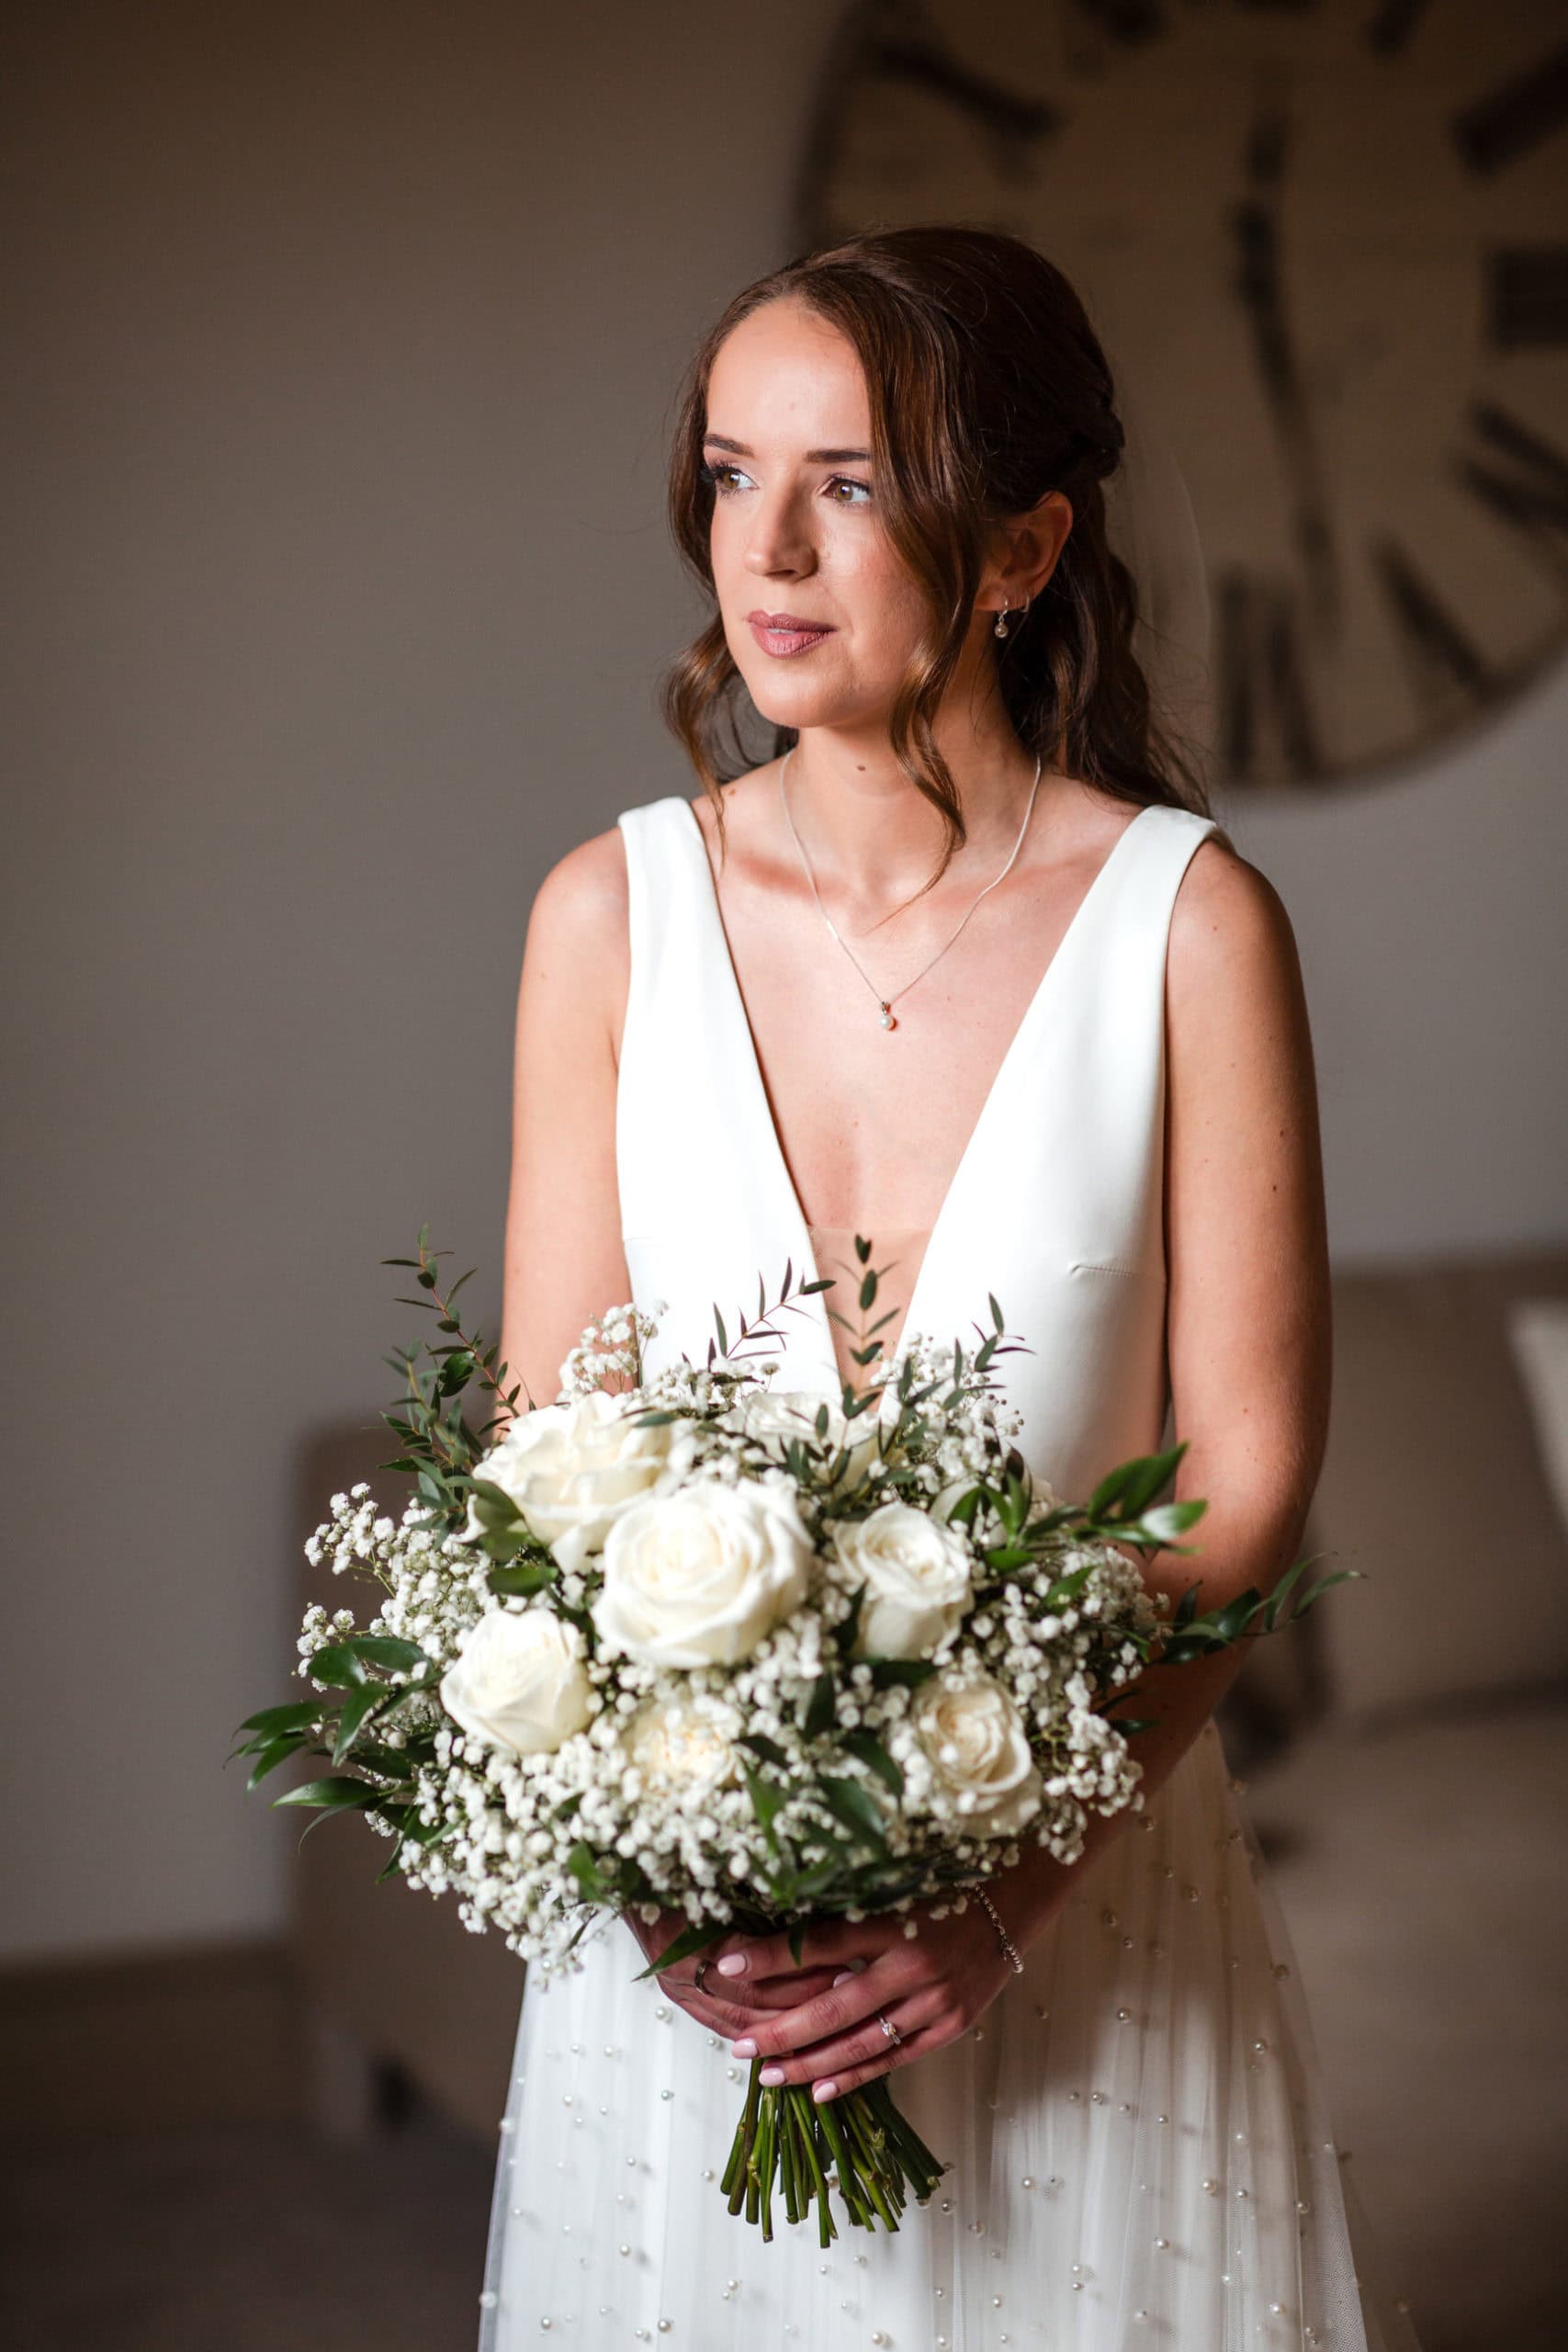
<point x="583" y="899"/>
<point x="1242" y="1102"/>
<point x="1232" y="952"/>
<point x="578" y="956"/>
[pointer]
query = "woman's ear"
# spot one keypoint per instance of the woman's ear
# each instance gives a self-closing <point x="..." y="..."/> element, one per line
<point x="1026" y="549"/>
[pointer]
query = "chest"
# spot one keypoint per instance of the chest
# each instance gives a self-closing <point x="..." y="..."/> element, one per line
<point x="872" y="1123"/>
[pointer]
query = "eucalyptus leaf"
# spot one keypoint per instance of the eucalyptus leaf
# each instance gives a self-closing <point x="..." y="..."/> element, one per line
<point x="846" y="1632"/>
<point x="525" y="1576"/>
<point x="268" y="1758"/>
<point x="819" y="1708"/>
<point x="336" y="1666"/>
<point x="869" y="1748"/>
<point x="1310" y="1598"/>
<point x="964" y="1510"/>
<point x="1005" y="1556"/>
<point x="356" y="1708"/>
<point x="912" y="1670"/>
<point x="583" y="1864"/>
<point x="767" y="1800"/>
<point x="1275" y="1614"/>
<point x="298" y="1715"/>
<point x="332" y="1795"/>
<point x="855" y="1807"/>
<point x="698" y="1937"/>
<point x="386" y="1649"/>
<point x="1167" y="1520"/>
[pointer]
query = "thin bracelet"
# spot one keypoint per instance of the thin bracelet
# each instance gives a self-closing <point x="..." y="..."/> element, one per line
<point x="1008" y="1944"/>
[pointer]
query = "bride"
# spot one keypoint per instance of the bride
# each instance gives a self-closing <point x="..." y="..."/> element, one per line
<point x="967" y="969"/>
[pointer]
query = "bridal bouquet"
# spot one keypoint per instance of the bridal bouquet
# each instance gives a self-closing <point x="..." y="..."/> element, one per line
<point x="696" y="1644"/>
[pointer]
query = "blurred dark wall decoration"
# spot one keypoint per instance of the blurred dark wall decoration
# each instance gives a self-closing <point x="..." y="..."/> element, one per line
<point x="1331" y="244"/>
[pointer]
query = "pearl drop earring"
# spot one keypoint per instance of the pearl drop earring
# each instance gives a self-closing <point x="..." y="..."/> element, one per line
<point x="1001" y="627"/>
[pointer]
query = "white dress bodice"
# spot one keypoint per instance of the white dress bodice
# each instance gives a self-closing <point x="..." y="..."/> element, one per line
<point x="1055" y="1206"/>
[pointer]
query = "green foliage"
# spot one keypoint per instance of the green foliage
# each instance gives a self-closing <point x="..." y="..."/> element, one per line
<point x="856" y="1808"/>
<point x="438" y="1444"/>
<point x="869" y="1748"/>
<point x="332" y="1797"/>
<point x="822" y="1706"/>
<point x="768" y="1799"/>
<point x="1193" y="1634"/>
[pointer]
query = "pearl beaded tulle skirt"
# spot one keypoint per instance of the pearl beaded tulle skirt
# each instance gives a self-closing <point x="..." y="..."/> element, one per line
<point x="1139" y="2146"/>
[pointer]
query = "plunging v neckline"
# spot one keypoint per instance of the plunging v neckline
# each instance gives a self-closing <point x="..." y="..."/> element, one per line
<point x="761" y="1109"/>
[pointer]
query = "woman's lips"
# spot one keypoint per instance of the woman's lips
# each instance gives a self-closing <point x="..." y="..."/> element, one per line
<point x="785" y="643"/>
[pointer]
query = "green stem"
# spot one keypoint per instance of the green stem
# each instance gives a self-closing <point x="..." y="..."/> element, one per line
<point x="766" y="2141"/>
<point x="786" y="2161"/>
<point x="805" y="2124"/>
<point x="924" y="2169"/>
<point x="739" y="2167"/>
<point x="849" y="2184"/>
<point x="853" y="2121"/>
<point x="785" y="2134"/>
<point x="869" y="2142"/>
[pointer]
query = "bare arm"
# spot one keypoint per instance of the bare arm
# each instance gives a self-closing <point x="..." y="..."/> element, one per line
<point x="564" y="1263"/>
<point x="1248" y="1307"/>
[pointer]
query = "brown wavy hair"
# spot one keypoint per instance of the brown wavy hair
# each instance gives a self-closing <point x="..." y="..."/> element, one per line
<point x="988" y="388"/>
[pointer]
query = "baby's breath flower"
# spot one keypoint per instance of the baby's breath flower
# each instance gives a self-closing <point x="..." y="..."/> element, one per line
<point x="675" y="1813"/>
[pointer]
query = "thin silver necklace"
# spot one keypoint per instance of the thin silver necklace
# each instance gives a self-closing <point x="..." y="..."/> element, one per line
<point x="886" y="1003"/>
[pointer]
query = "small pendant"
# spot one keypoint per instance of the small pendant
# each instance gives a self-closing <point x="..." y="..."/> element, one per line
<point x="887" y="1020"/>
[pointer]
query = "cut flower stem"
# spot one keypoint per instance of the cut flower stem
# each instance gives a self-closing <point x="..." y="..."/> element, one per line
<point x="858" y="2143"/>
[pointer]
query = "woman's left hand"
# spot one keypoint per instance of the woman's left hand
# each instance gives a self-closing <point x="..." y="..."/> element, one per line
<point x="931" y="1987"/>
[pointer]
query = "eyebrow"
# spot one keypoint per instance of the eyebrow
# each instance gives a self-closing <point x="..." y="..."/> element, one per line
<point x="813" y="456"/>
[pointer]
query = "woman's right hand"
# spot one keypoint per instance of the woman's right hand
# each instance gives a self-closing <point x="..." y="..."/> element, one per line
<point x="718" y="2007"/>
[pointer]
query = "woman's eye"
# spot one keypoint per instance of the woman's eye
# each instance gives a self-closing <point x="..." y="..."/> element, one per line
<point x="718" y="475"/>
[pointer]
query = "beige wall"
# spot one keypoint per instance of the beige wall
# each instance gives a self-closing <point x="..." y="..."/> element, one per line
<point x="344" y="342"/>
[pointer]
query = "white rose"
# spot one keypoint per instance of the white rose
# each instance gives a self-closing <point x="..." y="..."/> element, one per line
<point x="699" y="1577"/>
<point x="672" y="1740"/>
<point x="519" y="1680"/>
<point x="975" y="1738"/>
<point x="774" y="1416"/>
<point x="571" y="1468"/>
<point x="916" y="1570"/>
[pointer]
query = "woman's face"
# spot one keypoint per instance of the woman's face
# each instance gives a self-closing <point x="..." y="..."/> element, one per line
<point x="795" y="537"/>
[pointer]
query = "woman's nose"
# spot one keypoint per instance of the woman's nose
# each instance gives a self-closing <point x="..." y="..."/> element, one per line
<point x="779" y="539"/>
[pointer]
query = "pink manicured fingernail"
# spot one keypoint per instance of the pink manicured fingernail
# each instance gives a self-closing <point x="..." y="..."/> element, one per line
<point x="771" y="2074"/>
<point x="843" y="1976"/>
<point x="820" y="2091"/>
<point x="732" y="1964"/>
<point x="746" y="2048"/>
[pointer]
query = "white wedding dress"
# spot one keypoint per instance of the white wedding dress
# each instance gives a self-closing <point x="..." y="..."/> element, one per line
<point x="1139" y="2148"/>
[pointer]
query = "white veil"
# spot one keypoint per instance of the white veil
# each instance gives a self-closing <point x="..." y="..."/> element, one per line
<point x="1151" y="526"/>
